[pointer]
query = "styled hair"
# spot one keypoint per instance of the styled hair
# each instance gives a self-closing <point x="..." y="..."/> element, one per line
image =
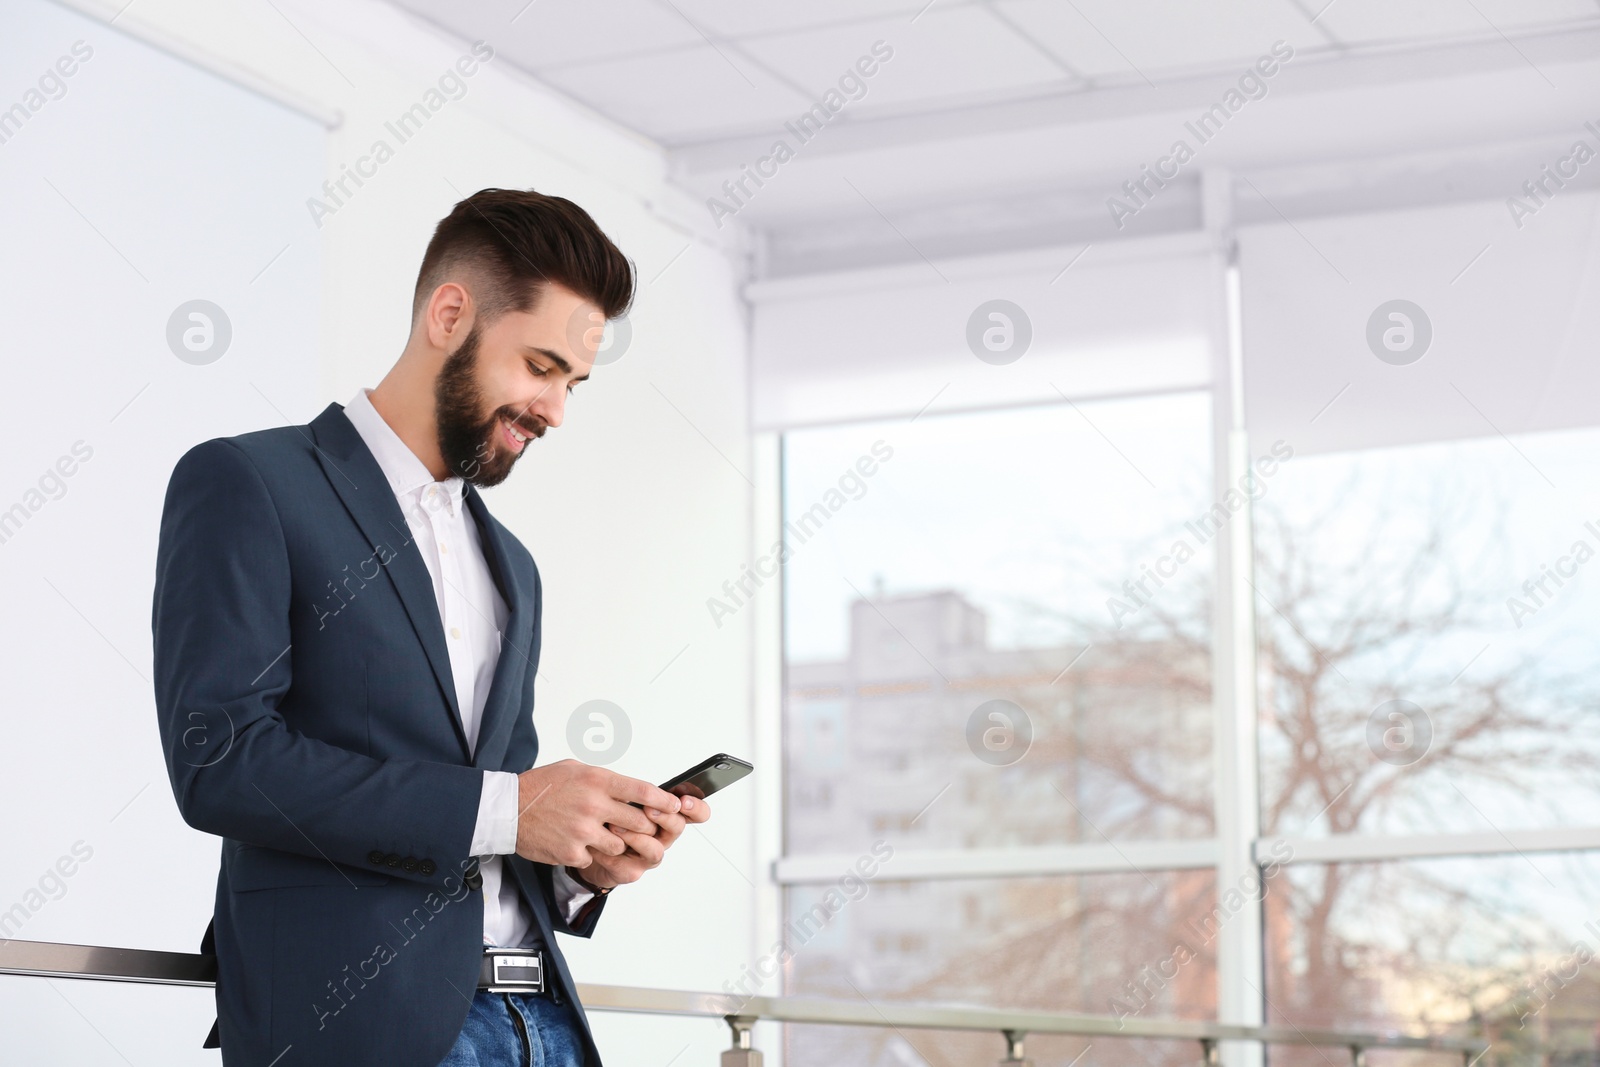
<point x="506" y="244"/>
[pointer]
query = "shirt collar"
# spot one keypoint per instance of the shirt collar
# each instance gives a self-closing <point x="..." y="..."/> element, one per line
<point x="405" y="472"/>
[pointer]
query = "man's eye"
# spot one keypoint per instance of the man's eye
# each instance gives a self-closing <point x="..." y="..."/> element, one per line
<point x="541" y="372"/>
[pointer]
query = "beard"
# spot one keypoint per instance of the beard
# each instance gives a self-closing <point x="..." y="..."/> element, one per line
<point x="469" y="442"/>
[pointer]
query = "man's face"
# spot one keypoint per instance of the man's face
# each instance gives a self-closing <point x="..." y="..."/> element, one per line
<point x="512" y="377"/>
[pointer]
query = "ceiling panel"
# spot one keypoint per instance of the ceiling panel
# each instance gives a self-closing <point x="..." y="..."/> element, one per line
<point x="558" y="32"/>
<point x="1362" y="21"/>
<point x="743" y="18"/>
<point x="682" y="94"/>
<point x="1002" y="122"/>
<point x="943" y="55"/>
<point x="1063" y="33"/>
<point x="1113" y="37"/>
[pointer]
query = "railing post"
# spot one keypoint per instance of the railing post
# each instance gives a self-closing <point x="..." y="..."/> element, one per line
<point x="1358" y="1056"/>
<point x="1210" y="1056"/>
<point x="1014" y="1057"/>
<point x="743" y="1053"/>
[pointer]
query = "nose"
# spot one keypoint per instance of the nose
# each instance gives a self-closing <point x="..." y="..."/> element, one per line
<point x="548" y="405"/>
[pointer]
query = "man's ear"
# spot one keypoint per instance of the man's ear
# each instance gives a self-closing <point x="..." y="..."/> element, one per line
<point x="447" y="315"/>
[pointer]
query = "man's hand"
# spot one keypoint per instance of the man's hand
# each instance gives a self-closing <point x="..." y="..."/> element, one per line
<point x="607" y="870"/>
<point x="569" y="813"/>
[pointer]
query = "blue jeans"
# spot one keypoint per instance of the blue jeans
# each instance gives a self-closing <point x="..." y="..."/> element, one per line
<point x="517" y="1030"/>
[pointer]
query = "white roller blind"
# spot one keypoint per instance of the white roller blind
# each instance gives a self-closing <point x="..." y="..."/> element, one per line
<point x="1123" y="317"/>
<point x="1514" y="315"/>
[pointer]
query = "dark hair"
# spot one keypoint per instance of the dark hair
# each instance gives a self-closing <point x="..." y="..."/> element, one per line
<point x="509" y="242"/>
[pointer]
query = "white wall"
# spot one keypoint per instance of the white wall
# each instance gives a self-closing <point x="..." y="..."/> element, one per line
<point x="637" y="508"/>
<point x="136" y="184"/>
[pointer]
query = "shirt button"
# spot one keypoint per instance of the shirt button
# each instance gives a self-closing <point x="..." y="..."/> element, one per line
<point x="455" y="631"/>
<point x="443" y="547"/>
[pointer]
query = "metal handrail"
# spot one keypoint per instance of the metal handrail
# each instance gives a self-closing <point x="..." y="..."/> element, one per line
<point x="44" y="959"/>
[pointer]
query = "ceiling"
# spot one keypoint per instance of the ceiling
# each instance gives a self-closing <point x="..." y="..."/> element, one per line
<point x="997" y="124"/>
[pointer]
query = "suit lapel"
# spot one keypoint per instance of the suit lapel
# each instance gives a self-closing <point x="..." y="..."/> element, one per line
<point x="360" y="483"/>
<point x="500" y="710"/>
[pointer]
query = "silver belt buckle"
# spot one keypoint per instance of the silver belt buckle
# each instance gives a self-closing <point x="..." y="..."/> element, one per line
<point x="516" y="972"/>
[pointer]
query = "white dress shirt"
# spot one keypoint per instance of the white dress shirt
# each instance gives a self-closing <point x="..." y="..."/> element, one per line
<point x="474" y="616"/>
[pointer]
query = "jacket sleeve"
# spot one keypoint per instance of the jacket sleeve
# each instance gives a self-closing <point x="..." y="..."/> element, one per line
<point x="581" y="924"/>
<point x="223" y="662"/>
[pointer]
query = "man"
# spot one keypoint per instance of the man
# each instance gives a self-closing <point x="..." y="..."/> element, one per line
<point x="345" y="650"/>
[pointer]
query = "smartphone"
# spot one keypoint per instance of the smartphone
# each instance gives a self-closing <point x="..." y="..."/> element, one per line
<point x="701" y="781"/>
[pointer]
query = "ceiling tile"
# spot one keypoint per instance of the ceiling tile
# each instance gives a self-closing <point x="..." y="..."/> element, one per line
<point x="1110" y="38"/>
<point x="558" y="32"/>
<point x="960" y="52"/>
<point x="683" y="94"/>
<point x="741" y="18"/>
<point x="748" y="18"/>
<point x="1361" y="21"/>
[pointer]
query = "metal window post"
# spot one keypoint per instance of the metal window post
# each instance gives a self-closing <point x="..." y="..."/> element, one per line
<point x="1240" y="981"/>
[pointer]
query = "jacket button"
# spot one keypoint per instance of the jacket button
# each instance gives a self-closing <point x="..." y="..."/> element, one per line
<point x="426" y="867"/>
<point x="392" y="859"/>
<point x="409" y="863"/>
<point x="376" y="857"/>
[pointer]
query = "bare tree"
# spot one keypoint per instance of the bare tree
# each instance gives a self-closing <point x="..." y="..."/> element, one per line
<point x="1341" y="631"/>
<point x="1405" y="609"/>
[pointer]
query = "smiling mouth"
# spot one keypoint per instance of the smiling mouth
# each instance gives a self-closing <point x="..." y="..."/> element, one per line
<point x="515" y="439"/>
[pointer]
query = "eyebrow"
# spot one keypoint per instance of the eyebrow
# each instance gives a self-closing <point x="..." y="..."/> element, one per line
<point x="555" y="358"/>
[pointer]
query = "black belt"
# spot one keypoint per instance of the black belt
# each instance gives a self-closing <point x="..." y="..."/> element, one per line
<point x="513" y="970"/>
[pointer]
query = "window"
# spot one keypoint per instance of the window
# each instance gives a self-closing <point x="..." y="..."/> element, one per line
<point x="1426" y="626"/>
<point x="992" y="642"/>
<point x="1500" y="945"/>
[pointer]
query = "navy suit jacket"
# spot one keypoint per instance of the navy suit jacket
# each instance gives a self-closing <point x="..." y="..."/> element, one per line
<point x="309" y="718"/>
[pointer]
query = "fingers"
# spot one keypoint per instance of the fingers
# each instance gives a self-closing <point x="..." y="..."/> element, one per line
<point x="668" y="823"/>
<point x="670" y="828"/>
<point x="635" y="791"/>
<point x="696" y="809"/>
<point x="644" y="852"/>
<point x="648" y="848"/>
<point x="607" y="843"/>
<point x="627" y="817"/>
<point x="624" y="824"/>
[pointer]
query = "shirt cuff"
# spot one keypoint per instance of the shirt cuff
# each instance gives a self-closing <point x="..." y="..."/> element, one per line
<point x="570" y="896"/>
<point x="495" y="833"/>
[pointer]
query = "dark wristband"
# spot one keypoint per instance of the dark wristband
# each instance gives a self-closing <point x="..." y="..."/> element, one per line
<point x="572" y="873"/>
